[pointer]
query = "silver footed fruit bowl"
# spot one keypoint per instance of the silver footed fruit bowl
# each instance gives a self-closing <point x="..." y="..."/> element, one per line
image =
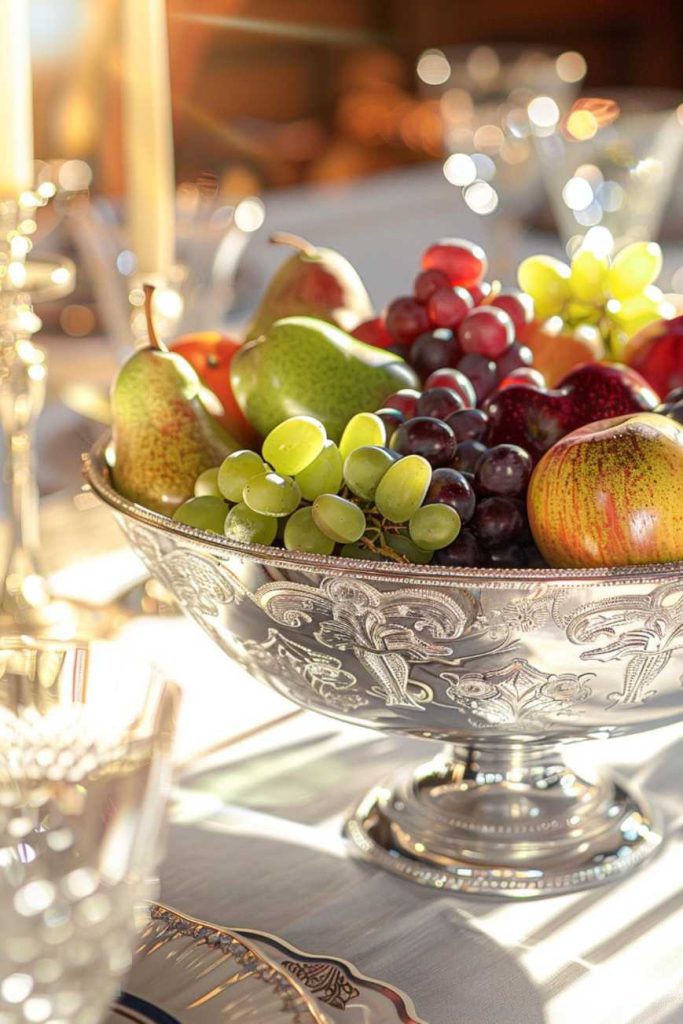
<point x="503" y="667"/>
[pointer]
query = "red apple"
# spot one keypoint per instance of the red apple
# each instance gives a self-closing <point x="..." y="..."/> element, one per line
<point x="210" y="353"/>
<point x="656" y="352"/>
<point x="611" y="493"/>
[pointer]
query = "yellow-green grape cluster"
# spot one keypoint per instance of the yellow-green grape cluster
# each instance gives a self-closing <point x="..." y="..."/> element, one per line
<point x="617" y="296"/>
<point x="358" y="499"/>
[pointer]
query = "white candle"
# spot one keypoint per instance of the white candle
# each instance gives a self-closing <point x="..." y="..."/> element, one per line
<point x="148" y="135"/>
<point x="16" y="100"/>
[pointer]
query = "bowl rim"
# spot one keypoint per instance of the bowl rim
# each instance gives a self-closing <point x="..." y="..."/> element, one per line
<point x="97" y="478"/>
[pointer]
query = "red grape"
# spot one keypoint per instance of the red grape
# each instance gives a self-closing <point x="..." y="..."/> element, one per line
<point x="479" y="292"/>
<point x="454" y="379"/>
<point x="467" y="455"/>
<point x="464" y="551"/>
<point x="433" y="350"/>
<point x="497" y="521"/>
<point x="404" y="400"/>
<point x="518" y="305"/>
<point x="373" y="332"/>
<point x="486" y="331"/>
<point x="425" y="436"/>
<point x="426" y="283"/>
<point x="391" y="418"/>
<point x="504" y="471"/>
<point x="448" y="307"/>
<point x="523" y="375"/>
<point x="439" y="403"/>
<point x="481" y="372"/>
<point x="463" y="262"/>
<point x="405" y="318"/>
<point x="449" y="487"/>
<point x="469" y="424"/>
<point x="514" y="358"/>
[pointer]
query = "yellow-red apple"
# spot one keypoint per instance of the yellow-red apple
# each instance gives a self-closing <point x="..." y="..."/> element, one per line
<point x="611" y="493"/>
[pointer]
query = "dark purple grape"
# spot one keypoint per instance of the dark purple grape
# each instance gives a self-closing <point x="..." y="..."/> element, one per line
<point x="674" y="410"/>
<point x="391" y="418"/>
<point x="433" y="350"/>
<point x="676" y="413"/>
<point x="674" y="396"/>
<point x="467" y="455"/>
<point x="513" y="358"/>
<point x="533" y="557"/>
<point x="497" y="521"/>
<point x="449" y="487"/>
<point x="481" y="372"/>
<point x="512" y="556"/>
<point x="439" y="403"/>
<point x="464" y="551"/>
<point x="404" y="400"/>
<point x="504" y="471"/>
<point x="428" y="437"/>
<point x="469" y="424"/>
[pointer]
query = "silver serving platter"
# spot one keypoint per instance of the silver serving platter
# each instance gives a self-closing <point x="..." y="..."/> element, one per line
<point x="507" y="668"/>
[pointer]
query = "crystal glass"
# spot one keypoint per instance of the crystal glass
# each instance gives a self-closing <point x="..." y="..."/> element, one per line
<point x="486" y="95"/>
<point x="609" y="166"/>
<point x="84" y="771"/>
<point x="507" y="668"/>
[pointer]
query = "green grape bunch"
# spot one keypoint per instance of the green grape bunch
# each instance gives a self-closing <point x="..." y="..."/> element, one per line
<point x="358" y="499"/>
<point x="617" y="296"/>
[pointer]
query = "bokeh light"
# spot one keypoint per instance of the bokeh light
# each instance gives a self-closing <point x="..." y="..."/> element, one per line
<point x="481" y="197"/>
<point x="543" y="112"/>
<point x="460" y="169"/>
<point x="433" y="67"/>
<point x="250" y="214"/>
<point x="577" y="194"/>
<point x="571" y="66"/>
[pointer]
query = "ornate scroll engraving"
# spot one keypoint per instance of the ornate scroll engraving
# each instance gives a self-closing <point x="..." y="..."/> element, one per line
<point x="646" y="629"/>
<point x="200" y="583"/>
<point x="295" y="664"/>
<point x="386" y="631"/>
<point x="326" y="981"/>
<point x="516" y="693"/>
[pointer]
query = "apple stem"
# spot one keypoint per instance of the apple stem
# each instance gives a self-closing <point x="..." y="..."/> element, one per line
<point x="155" y="341"/>
<point x="296" y="241"/>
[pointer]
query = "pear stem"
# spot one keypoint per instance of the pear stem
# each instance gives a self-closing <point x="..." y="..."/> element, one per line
<point x="155" y="341"/>
<point x="296" y="241"/>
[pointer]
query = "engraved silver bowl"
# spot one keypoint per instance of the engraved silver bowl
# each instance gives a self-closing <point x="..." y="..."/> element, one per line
<point x="504" y="667"/>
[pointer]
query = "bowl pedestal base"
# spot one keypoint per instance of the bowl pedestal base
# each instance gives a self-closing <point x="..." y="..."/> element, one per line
<point x="505" y="821"/>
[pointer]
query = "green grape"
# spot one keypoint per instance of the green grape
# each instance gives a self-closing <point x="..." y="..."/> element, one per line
<point x="365" y="428"/>
<point x="294" y="444"/>
<point x="434" y="526"/>
<point x="582" y="313"/>
<point x="206" y="484"/>
<point x="359" y="551"/>
<point x="338" y="519"/>
<point x="402" y="489"/>
<point x="365" y="467"/>
<point x="301" y="534"/>
<point x="245" y="526"/>
<point x="323" y="475"/>
<point x="546" y="280"/>
<point x="204" y="513"/>
<point x="633" y="269"/>
<point x="638" y="309"/>
<point x="272" y="494"/>
<point x="587" y="277"/>
<point x="402" y="543"/>
<point x="236" y="470"/>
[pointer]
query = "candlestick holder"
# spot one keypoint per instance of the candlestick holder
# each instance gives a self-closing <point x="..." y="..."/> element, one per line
<point x="27" y="604"/>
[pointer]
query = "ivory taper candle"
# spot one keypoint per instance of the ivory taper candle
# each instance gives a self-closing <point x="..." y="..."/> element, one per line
<point x="148" y="135"/>
<point x="16" y="100"/>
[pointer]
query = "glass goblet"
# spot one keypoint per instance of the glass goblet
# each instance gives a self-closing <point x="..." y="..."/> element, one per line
<point x="85" y="743"/>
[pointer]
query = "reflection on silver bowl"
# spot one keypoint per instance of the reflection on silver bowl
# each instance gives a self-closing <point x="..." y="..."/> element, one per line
<point x="506" y="667"/>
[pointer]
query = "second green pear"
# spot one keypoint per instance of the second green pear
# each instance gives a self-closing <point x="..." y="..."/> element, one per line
<point x="305" y="366"/>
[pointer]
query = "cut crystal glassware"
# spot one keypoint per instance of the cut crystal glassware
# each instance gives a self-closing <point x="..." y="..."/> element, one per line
<point x="505" y="668"/>
<point x="85" y="744"/>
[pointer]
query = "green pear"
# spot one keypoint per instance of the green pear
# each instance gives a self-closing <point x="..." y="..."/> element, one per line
<point x="164" y="437"/>
<point x="312" y="282"/>
<point x="304" y="366"/>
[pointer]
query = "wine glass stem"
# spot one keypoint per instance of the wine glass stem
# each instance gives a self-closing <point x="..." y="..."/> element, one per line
<point x="22" y="396"/>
